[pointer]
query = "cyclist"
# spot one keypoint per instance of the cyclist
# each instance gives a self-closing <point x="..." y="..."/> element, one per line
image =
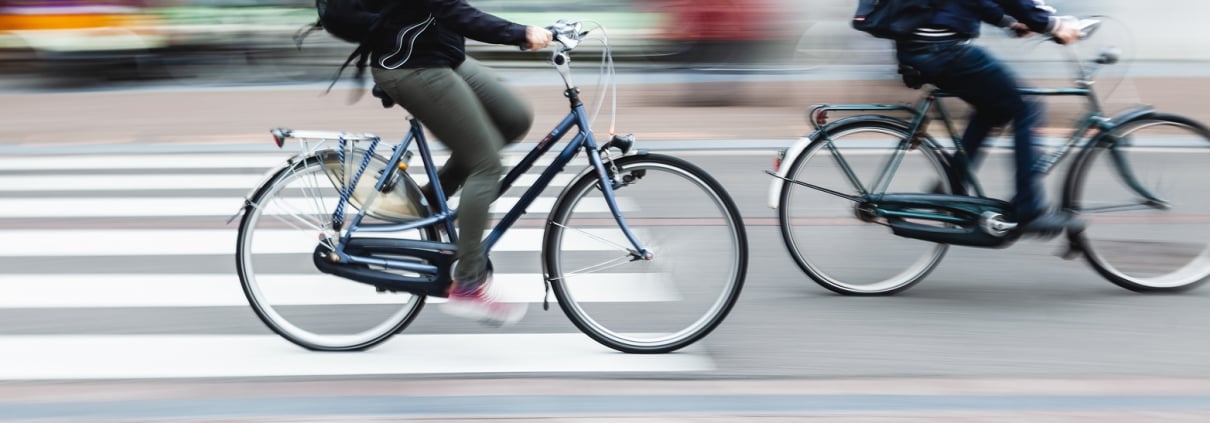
<point x="419" y="59"/>
<point x="940" y="53"/>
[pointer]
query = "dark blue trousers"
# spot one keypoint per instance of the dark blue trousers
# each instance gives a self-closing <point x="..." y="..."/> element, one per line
<point x="990" y="88"/>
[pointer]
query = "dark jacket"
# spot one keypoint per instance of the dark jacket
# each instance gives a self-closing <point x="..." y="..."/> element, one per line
<point x="432" y="33"/>
<point x="964" y="16"/>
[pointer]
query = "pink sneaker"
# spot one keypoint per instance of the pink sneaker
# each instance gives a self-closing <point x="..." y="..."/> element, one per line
<point x="479" y="305"/>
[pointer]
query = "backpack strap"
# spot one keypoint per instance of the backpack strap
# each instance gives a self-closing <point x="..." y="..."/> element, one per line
<point x="360" y="56"/>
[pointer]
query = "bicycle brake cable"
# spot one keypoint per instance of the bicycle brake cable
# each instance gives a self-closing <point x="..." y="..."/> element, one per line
<point x="606" y="80"/>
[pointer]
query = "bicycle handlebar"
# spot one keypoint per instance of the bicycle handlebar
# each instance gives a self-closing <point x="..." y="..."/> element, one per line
<point x="1086" y="27"/>
<point x="568" y="34"/>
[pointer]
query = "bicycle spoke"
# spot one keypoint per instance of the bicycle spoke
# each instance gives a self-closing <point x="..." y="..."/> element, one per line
<point x="606" y="265"/>
<point x="637" y="305"/>
<point x="825" y="230"/>
<point x="295" y="299"/>
<point x="1121" y="208"/>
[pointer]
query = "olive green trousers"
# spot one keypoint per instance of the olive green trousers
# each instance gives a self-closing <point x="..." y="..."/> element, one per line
<point x="471" y="112"/>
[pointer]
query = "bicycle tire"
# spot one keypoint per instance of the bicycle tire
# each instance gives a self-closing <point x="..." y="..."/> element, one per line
<point x="315" y="306"/>
<point x="647" y="306"/>
<point x="826" y="242"/>
<point x="1142" y="248"/>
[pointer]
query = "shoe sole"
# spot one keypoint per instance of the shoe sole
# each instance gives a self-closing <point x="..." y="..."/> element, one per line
<point x="475" y="313"/>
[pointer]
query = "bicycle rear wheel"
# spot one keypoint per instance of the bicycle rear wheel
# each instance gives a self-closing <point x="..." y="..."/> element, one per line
<point x="278" y="235"/>
<point x="840" y="247"/>
<point x="1136" y="243"/>
<point x="690" y="225"/>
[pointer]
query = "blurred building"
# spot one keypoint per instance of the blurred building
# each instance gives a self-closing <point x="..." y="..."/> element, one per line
<point x="722" y="32"/>
<point x="72" y="30"/>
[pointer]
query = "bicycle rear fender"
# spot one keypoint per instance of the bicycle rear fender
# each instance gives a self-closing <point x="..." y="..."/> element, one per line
<point x="792" y="153"/>
<point x="269" y="175"/>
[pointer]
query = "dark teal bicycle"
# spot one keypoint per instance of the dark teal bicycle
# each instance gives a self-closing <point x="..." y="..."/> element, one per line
<point x="876" y="186"/>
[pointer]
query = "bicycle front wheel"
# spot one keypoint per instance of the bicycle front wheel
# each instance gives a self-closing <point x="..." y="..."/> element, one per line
<point x="1148" y="218"/>
<point x="278" y="236"/>
<point x="843" y="248"/>
<point x="684" y="218"/>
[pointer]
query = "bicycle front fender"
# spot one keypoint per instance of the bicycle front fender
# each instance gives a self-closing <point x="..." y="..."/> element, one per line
<point x="1109" y="135"/>
<point x="1125" y="118"/>
<point x="589" y="169"/>
<point x="795" y="150"/>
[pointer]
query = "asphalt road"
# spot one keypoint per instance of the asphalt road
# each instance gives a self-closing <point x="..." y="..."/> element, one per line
<point x="1015" y="334"/>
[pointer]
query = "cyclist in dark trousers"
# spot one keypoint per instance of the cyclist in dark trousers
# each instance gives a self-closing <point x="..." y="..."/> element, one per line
<point x="941" y="53"/>
<point x="419" y="59"/>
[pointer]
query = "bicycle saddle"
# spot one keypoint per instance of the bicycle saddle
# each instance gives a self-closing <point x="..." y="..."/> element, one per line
<point x="387" y="101"/>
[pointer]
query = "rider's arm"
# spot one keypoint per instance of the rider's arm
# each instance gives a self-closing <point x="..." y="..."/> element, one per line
<point x="472" y="23"/>
<point x="1035" y="14"/>
<point x="989" y="11"/>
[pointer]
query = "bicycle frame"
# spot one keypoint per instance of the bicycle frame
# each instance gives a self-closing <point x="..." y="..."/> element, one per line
<point x="1094" y="119"/>
<point x="583" y="140"/>
<point x="967" y="209"/>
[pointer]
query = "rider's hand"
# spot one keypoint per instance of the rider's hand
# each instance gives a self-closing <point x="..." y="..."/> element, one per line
<point x="537" y="38"/>
<point x="1065" y="31"/>
<point x="1019" y="30"/>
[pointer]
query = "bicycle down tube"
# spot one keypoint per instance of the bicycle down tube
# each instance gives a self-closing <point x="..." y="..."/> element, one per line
<point x="583" y="139"/>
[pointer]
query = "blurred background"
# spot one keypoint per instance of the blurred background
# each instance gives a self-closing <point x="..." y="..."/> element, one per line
<point x="89" y="41"/>
<point x="129" y="125"/>
<point x="252" y="40"/>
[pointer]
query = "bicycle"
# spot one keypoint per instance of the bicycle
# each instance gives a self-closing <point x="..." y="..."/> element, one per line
<point x="613" y="261"/>
<point x="1138" y="237"/>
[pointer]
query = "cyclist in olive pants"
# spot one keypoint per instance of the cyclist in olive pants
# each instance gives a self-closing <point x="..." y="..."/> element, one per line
<point x="419" y="59"/>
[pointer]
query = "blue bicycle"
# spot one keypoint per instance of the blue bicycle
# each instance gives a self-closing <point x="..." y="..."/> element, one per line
<point x="645" y="253"/>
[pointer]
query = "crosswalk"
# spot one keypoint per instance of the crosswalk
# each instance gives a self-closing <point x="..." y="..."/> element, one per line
<point x="122" y="266"/>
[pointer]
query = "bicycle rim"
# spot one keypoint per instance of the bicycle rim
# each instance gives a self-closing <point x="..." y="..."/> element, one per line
<point x="830" y="240"/>
<point x="696" y="236"/>
<point x="1138" y="246"/>
<point x="277" y="238"/>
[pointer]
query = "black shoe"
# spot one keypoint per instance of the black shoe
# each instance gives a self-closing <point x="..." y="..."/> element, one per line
<point x="1051" y="224"/>
<point x="431" y="198"/>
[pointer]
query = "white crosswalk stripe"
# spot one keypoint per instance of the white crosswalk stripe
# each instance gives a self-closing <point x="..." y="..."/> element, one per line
<point x="173" y="356"/>
<point x="186" y="206"/>
<point x="44" y="276"/>
<point x="221" y="290"/>
<point x="160" y="181"/>
<point x="155" y="242"/>
<point x="181" y="161"/>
